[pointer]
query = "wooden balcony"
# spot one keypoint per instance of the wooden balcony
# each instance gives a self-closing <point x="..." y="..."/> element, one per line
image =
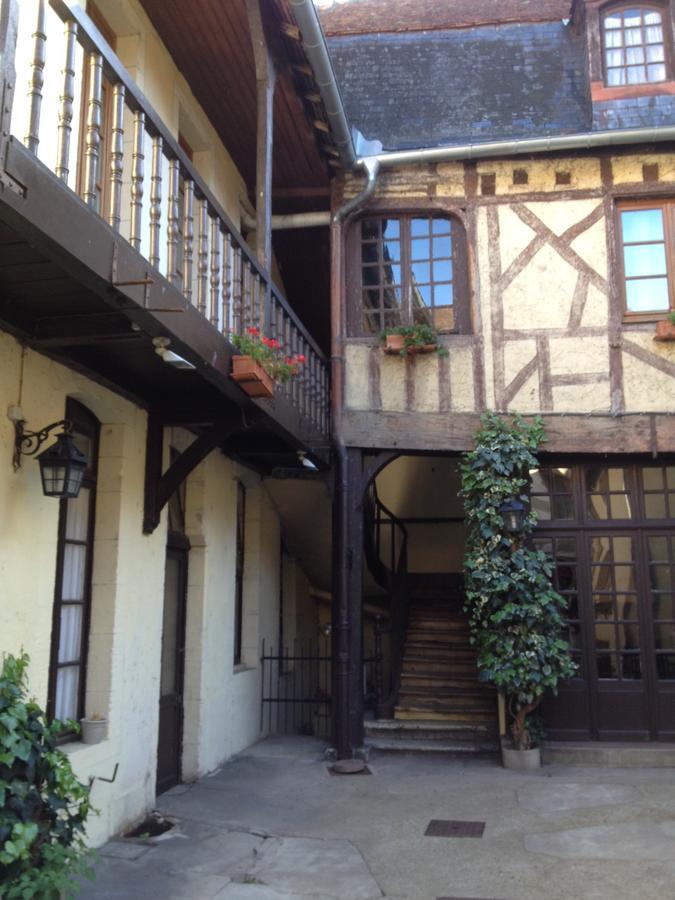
<point x="109" y="238"/>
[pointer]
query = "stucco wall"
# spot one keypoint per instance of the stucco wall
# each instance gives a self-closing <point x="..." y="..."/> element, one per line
<point x="222" y="703"/>
<point x="544" y="296"/>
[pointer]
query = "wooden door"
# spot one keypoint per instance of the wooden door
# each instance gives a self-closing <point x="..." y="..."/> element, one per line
<point x="170" y="740"/>
<point x="610" y="528"/>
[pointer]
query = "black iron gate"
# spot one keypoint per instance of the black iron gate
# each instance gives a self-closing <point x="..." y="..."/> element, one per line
<point x="296" y="688"/>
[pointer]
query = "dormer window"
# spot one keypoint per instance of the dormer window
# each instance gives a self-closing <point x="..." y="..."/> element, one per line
<point x="635" y="50"/>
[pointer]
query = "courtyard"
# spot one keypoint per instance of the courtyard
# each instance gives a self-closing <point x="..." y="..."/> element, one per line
<point x="273" y="823"/>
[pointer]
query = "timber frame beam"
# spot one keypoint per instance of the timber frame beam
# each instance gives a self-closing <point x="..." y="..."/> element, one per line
<point x="159" y="486"/>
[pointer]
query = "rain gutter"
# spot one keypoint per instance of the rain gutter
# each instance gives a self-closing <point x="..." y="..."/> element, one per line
<point x="316" y="50"/>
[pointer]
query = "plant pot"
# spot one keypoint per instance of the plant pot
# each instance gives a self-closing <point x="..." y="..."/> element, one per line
<point x="251" y="377"/>
<point x="422" y="348"/>
<point x="93" y="730"/>
<point x="521" y="760"/>
<point x="665" y="331"/>
<point x="394" y="343"/>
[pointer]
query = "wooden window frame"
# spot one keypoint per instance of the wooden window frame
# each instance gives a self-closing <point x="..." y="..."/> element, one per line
<point x="664" y="10"/>
<point x="668" y="205"/>
<point x="460" y="259"/>
<point x="240" y="560"/>
<point x="85" y="422"/>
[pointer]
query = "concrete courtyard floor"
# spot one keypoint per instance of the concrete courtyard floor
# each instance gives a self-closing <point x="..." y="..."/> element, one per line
<point x="273" y="824"/>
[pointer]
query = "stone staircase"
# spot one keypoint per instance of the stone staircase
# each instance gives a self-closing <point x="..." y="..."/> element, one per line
<point x="440" y="705"/>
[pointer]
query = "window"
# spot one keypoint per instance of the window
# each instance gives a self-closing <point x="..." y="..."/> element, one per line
<point x="634" y="46"/>
<point x="411" y="271"/>
<point x="647" y="235"/>
<point x="239" y="574"/>
<point x="72" y="595"/>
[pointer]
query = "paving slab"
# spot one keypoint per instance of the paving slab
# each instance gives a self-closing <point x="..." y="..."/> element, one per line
<point x="273" y="824"/>
<point x="551" y="798"/>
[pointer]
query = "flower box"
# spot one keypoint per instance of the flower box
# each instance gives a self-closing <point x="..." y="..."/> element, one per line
<point x="665" y="331"/>
<point x="423" y="348"/>
<point x="394" y="343"/>
<point x="251" y="377"/>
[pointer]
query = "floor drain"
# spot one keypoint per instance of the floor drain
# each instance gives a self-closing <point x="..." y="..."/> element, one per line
<point x="452" y="828"/>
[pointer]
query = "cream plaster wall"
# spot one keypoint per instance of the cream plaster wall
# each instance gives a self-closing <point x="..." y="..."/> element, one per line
<point x="222" y="702"/>
<point x="544" y="295"/>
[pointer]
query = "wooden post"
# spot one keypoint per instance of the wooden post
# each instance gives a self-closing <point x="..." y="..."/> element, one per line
<point x="37" y="78"/>
<point x="66" y="103"/>
<point x="93" y="130"/>
<point x="137" y="177"/>
<point x="155" y="200"/>
<point x="9" y="21"/>
<point x="347" y="630"/>
<point x="173" y="225"/>
<point x="202" y="256"/>
<point x="117" y="158"/>
<point x="188" y="236"/>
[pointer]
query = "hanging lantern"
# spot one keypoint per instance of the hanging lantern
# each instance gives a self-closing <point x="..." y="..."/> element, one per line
<point x="513" y="512"/>
<point x="62" y="467"/>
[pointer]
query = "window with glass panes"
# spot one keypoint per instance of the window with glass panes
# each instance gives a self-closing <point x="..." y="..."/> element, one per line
<point x="72" y="594"/>
<point x="647" y="238"/>
<point x="635" y="48"/>
<point x="411" y="272"/>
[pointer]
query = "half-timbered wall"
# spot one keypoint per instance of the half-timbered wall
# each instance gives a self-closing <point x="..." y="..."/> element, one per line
<point x="548" y="330"/>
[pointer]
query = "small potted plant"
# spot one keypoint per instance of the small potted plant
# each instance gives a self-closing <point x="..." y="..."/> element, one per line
<point x="260" y="362"/>
<point x="407" y="340"/>
<point x="665" y="329"/>
<point x="93" y="728"/>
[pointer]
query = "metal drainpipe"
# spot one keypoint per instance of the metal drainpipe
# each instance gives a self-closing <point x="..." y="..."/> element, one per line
<point x="290" y="220"/>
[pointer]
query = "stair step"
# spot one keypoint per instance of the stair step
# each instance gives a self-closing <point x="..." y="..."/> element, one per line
<point x="440" y="668"/>
<point x="440" y="679"/>
<point x="393" y="729"/>
<point x="433" y="623"/>
<point x="475" y="748"/>
<point x="458" y="715"/>
<point x="447" y="699"/>
<point x="440" y="639"/>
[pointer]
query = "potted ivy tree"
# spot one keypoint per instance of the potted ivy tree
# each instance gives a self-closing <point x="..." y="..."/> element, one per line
<point x="407" y="340"/>
<point x="516" y="616"/>
<point x="43" y="807"/>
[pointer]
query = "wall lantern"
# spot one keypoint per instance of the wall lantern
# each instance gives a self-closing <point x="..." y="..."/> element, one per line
<point x="513" y="512"/>
<point x="62" y="465"/>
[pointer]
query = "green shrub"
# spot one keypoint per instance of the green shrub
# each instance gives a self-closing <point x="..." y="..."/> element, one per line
<point x="516" y="616"/>
<point x="43" y="807"/>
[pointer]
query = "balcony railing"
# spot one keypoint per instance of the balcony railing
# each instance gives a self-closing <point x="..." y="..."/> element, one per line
<point x="88" y="121"/>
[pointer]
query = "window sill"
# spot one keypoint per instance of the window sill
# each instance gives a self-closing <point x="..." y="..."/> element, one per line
<point x="78" y="751"/>
<point x="645" y="319"/>
<point x="242" y="667"/>
<point x="600" y="91"/>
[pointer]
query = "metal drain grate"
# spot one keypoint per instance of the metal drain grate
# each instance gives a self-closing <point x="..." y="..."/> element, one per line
<point x="453" y="828"/>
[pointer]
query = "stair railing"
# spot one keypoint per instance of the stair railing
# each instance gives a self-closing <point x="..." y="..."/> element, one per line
<point x="386" y="551"/>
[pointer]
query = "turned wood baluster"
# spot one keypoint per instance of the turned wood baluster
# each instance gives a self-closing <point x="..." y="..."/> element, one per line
<point x="137" y="176"/>
<point x="246" y="318"/>
<point x="116" y="158"/>
<point x="173" y="224"/>
<point x="203" y="257"/>
<point x="66" y="104"/>
<point x="215" y="269"/>
<point x="188" y="236"/>
<point x="155" y="200"/>
<point x="227" y="283"/>
<point x="237" y="319"/>
<point x="37" y="78"/>
<point x="93" y="132"/>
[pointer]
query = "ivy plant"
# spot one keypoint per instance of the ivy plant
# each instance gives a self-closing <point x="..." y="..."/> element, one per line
<point x="516" y="616"/>
<point x="43" y="807"/>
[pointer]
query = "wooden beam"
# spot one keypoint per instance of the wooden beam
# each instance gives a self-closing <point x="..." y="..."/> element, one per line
<point x="159" y="487"/>
<point x="265" y="75"/>
<point x="454" y="432"/>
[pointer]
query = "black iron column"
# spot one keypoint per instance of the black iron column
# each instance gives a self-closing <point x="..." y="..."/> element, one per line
<point x="347" y="629"/>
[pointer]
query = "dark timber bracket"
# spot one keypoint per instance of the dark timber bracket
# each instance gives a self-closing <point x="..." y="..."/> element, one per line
<point x="159" y="486"/>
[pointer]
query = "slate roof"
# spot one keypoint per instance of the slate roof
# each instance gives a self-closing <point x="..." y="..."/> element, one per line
<point x="424" y="89"/>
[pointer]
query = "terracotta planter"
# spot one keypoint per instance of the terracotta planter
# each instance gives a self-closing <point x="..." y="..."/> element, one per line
<point x="520" y="760"/>
<point x="251" y="377"/>
<point x="665" y="331"/>
<point x="92" y="731"/>
<point x="394" y="343"/>
<point x="422" y="348"/>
